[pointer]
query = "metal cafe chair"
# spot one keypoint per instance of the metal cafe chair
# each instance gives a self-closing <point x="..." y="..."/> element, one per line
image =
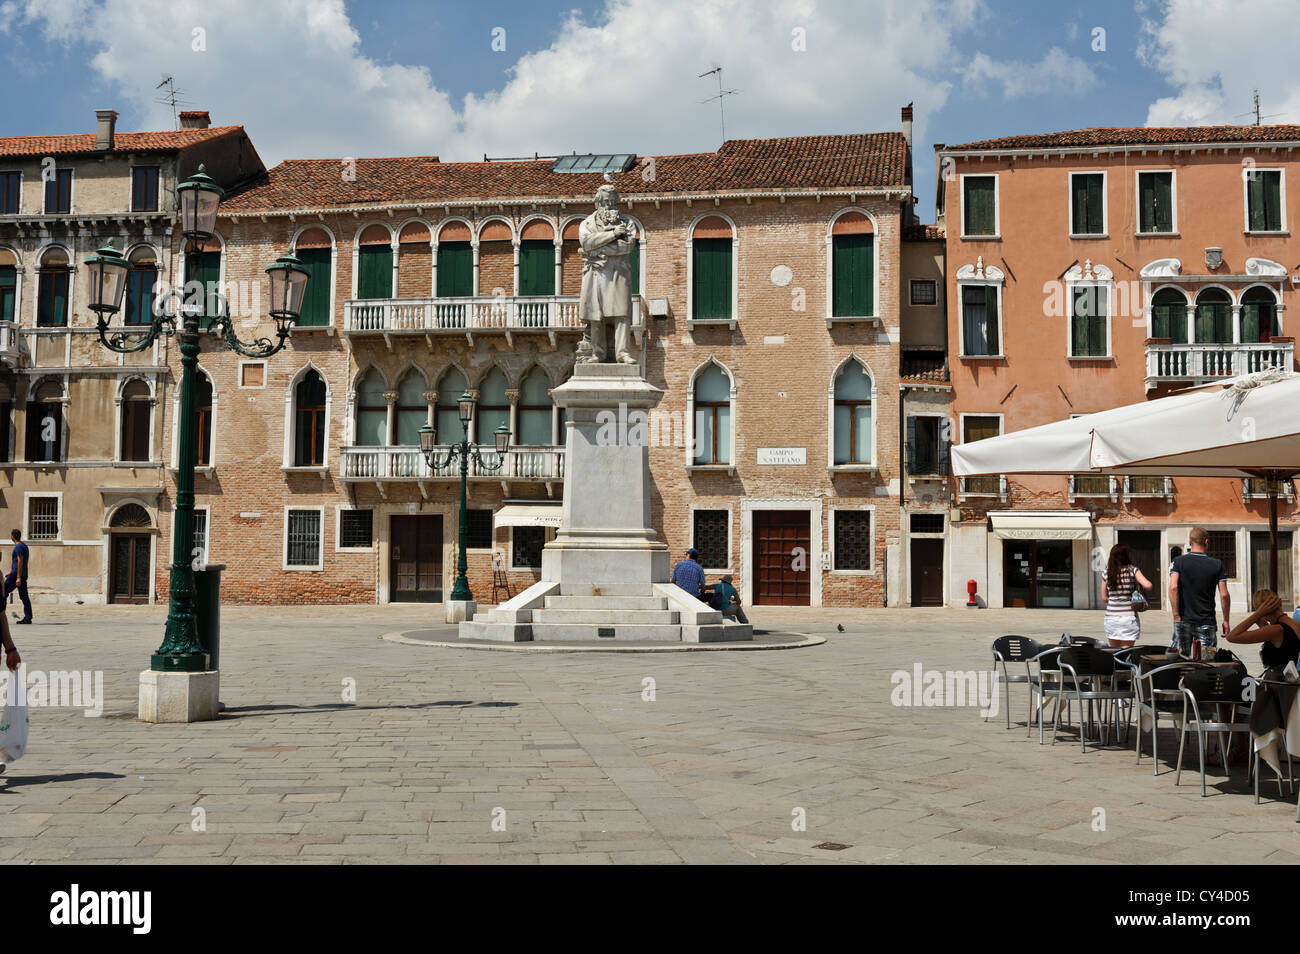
<point x="1089" y="672"/>
<point x="1045" y="684"/>
<point x="1158" y="694"/>
<point x="1210" y="688"/>
<point x="1015" y="649"/>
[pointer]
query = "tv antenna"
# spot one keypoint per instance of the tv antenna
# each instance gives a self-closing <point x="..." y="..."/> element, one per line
<point x="1256" y="114"/>
<point x="170" y="97"/>
<point x="722" y="116"/>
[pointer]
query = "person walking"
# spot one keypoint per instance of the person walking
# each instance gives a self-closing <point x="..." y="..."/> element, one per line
<point x="726" y="600"/>
<point x="689" y="575"/>
<point x="1117" y="588"/>
<point x="17" y="578"/>
<point x="1194" y="580"/>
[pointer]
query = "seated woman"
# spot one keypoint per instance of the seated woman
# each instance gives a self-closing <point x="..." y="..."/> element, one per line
<point x="1269" y="625"/>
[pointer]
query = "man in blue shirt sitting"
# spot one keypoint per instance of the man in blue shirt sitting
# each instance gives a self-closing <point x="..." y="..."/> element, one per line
<point x="689" y="575"/>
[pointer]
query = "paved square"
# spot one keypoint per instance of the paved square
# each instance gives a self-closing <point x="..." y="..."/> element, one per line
<point x="566" y="756"/>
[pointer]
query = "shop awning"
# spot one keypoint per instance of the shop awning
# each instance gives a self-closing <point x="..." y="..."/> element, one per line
<point x="528" y="515"/>
<point x="1041" y="524"/>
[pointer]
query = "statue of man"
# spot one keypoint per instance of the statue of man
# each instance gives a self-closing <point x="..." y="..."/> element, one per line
<point x="607" y="238"/>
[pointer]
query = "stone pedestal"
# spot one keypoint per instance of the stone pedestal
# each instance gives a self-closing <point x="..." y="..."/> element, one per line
<point x="458" y="611"/>
<point x="605" y="576"/>
<point x="179" y="696"/>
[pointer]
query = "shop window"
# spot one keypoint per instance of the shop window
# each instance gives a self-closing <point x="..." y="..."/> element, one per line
<point x="526" y="547"/>
<point x="478" y="530"/>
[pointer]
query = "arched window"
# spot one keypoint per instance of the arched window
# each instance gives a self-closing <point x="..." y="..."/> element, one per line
<point x="712" y="416"/>
<point x="309" y="421"/>
<point x="45" y="423"/>
<point x="372" y="411"/>
<point x="7" y="392"/>
<point x="534" y="410"/>
<point x="493" y="407"/>
<point x="137" y="309"/>
<point x="852" y="415"/>
<point x="135" y="413"/>
<point x="1259" y="314"/>
<point x="315" y="250"/>
<point x="52" y="289"/>
<point x="203" y="418"/>
<point x="203" y="285"/>
<point x="130" y="516"/>
<point x="1213" y="317"/>
<point x="447" y="416"/>
<point x="852" y="266"/>
<point x="1169" y="315"/>
<point x="8" y="285"/>
<point x="711" y="277"/>
<point x="455" y="261"/>
<point x="375" y="263"/>
<point x="412" y="409"/>
<point x="537" y="259"/>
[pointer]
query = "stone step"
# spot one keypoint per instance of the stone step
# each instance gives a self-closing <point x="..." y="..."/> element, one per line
<point x="607" y="602"/>
<point x="606" y="589"/>
<point x="623" y="633"/>
<point x="610" y="616"/>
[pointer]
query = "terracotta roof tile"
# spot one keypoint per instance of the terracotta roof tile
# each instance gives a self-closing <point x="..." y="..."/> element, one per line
<point x="1135" y="136"/>
<point x="20" y="146"/>
<point x="808" y="162"/>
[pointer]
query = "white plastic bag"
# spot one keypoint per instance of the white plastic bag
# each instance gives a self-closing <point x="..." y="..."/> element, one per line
<point x="13" y="733"/>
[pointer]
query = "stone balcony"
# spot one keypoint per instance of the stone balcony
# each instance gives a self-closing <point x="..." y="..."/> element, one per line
<point x="1199" y="363"/>
<point x="12" y="352"/>
<point x="506" y="315"/>
<point x="396" y="464"/>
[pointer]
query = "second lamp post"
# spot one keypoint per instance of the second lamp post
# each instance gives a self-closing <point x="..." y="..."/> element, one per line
<point x="465" y="451"/>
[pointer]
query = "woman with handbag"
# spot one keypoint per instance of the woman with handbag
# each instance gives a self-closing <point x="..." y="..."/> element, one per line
<point x="1124" y="600"/>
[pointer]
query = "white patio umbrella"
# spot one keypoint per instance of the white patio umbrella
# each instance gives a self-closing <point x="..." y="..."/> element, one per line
<point x="1243" y="427"/>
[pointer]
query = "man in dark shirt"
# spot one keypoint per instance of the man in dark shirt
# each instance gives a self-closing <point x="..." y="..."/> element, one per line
<point x="727" y="601"/>
<point x="17" y="577"/>
<point x="1194" y="580"/>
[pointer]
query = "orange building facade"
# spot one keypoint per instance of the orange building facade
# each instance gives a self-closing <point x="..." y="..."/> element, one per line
<point x="1092" y="269"/>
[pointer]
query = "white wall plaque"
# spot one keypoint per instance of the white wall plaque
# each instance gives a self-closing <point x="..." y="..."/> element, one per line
<point x="782" y="456"/>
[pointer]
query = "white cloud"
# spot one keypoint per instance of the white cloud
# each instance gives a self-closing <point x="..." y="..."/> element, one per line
<point x="295" y="74"/>
<point x="1057" y="73"/>
<point x="1215" y="54"/>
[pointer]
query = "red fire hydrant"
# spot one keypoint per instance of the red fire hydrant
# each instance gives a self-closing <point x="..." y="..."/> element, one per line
<point x="971" y="587"/>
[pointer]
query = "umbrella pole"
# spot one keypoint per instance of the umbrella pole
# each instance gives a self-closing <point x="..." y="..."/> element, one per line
<point x="1272" y="483"/>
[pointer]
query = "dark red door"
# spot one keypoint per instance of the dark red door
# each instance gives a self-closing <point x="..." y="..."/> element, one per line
<point x="782" y="561"/>
<point x="927" y="571"/>
<point x="415" y="559"/>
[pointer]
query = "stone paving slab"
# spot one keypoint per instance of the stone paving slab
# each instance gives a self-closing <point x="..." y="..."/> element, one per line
<point x="445" y="755"/>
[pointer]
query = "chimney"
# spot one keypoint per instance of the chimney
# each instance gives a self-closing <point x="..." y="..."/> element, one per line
<point x="909" y="215"/>
<point x="105" y="122"/>
<point x="195" y="119"/>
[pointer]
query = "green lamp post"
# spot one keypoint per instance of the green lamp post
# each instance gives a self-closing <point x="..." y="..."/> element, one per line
<point x="466" y="452"/>
<point x="198" y="198"/>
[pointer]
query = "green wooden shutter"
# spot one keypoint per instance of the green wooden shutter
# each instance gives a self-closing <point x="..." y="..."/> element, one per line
<point x="991" y="318"/>
<point x="53" y="299"/>
<point x="537" y="267"/>
<point x="316" y="299"/>
<point x="8" y="282"/>
<point x="455" y="270"/>
<point x="851" y="275"/>
<point x="913" y="465"/>
<point x="981" y="217"/>
<point x="1264" y="197"/>
<point x="712" y="278"/>
<point x="1255" y="197"/>
<point x="1087" y="204"/>
<point x="207" y="272"/>
<point x="1163" y="192"/>
<point x="375" y="272"/>
<point x="634" y="263"/>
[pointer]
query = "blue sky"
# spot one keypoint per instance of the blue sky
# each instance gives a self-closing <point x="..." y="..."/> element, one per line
<point x="329" y="78"/>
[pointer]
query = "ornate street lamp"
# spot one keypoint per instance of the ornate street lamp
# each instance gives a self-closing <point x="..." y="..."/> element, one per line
<point x="198" y="198"/>
<point x="465" y="451"/>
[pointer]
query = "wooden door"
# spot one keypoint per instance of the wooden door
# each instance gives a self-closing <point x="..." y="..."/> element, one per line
<point x="1259" y="577"/>
<point x="782" y="561"/>
<point x="415" y="559"/>
<point x="927" y="572"/>
<point x="1145" y="545"/>
<point x="128" y="572"/>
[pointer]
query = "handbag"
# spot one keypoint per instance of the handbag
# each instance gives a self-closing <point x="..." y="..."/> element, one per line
<point x="1137" y="600"/>
<point x="13" y="732"/>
